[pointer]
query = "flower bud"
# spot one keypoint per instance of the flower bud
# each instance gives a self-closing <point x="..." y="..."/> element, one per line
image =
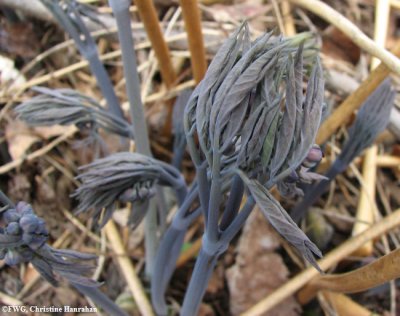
<point x="314" y="156"/>
<point x="29" y="223"/>
<point x="10" y="216"/>
<point x="27" y="238"/>
<point x="13" y="228"/>
<point x="24" y="208"/>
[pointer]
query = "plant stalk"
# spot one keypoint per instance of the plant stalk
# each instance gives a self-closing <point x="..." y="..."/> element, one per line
<point x="121" y="12"/>
<point x="203" y="269"/>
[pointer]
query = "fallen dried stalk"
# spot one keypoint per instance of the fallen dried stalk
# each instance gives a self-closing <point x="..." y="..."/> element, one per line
<point x="149" y="18"/>
<point x="351" y="30"/>
<point x="128" y="270"/>
<point x="344" y="305"/>
<point x="374" y="274"/>
<point x="290" y="28"/>
<point x="365" y="211"/>
<point x="388" y="161"/>
<point x="382" y="11"/>
<point x="343" y="112"/>
<point x="9" y="300"/>
<point x="341" y="252"/>
<point x="191" y="16"/>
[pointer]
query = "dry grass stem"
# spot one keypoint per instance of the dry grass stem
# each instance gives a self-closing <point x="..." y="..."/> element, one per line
<point x="191" y="16"/>
<point x="336" y="255"/>
<point x="351" y="30"/>
<point x="365" y="210"/>
<point x="128" y="270"/>
<point x="388" y="161"/>
<point x="9" y="300"/>
<point x="376" y="273"/>
<point x="381" y="25"/>
<point x="353" y="102"/>
<point x="289" y="26"/>
<point x="344" y="305"/>
<point x="150" y="21"/>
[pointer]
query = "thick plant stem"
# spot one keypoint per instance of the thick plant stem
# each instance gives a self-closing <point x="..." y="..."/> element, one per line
<point x="166" y="257"/>
<point x="100" y="299"/>
<point x="121" y="12"/>
<point x="233" y="203"/>
<point x="191" y="16"/>
<point x="105" y="85"/>
<point x="203" y="269"/>
<point x="169" y="250"/>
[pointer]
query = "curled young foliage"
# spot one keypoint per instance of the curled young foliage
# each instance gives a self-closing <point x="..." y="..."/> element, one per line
<point x="372" y="119"/>
<point x="23" y="239"/>
<point x="239" y="97"/>
<point x="68" y="14"/>
<point x="124" y="177"/>
<point x="281" y="221"/>
<point x="69" y="107"/>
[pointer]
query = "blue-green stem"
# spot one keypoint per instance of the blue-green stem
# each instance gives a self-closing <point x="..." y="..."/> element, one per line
<point x="233" y="203"/>
<point x="212" y="228"/>
<point x="202" y="272"/>
<point x="204" y="188"/>
<point x="121" y="12"/>
<point x="87" y="47"/>
<point x="169" y="250"/>
<point x="208" y="256"/>
<point x="5" y="200"/>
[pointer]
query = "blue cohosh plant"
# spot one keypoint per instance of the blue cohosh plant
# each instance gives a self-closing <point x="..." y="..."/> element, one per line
<point x="68" y="107"/>
<point x="23" y="239"/>
<point x="372" y="119"/>
<point x="254" y="129"/>
<point x="68" y="15"/>
<point x="248" y="126"/>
